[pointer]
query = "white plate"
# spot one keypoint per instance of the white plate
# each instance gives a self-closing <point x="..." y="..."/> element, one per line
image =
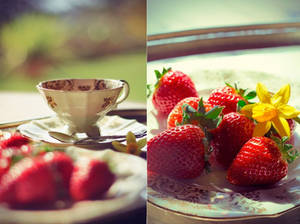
<point x="210" y="195"/>
<point x="126" y="194"/>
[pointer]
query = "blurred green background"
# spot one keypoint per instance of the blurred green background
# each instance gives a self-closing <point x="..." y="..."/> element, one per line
<point x="52" y="39"/>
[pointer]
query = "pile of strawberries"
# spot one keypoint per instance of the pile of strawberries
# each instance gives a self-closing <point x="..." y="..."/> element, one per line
<point x="31" y="176"/>
<point x="208" y="133"/>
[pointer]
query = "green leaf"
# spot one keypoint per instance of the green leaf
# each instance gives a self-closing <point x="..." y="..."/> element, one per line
<point x="227" y="84"/>
<point x="250" y="95"/>
<point x="158" y="74"/>
<point x="276" y="139"/>
<point x="214" y="112"/>
<point x="189" y="109"/>
<point x="241" y="103"/>
<point x="165" y="71"/>
<point x="236" y="86"/>
<point x="16" y="158"/>
<point x="297" y="119"/>
<point x="284" y="139"/>
<point x="289" y="153"/>
<point x="201" y="107"/>
<point x="149" y="90"/>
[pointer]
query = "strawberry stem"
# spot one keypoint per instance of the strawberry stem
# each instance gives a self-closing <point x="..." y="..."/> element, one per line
<point x="289" y="153"/>
<point x="160" y="75"/>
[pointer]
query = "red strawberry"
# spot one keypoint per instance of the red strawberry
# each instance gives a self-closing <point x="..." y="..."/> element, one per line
<point x="4" y="165"/>
<point x="228" y="138"/>
<point x="177" y="152"/>
<point x="16" y="140"/>
<point x="10" y="156"/>
<point x="175" y="116"/>
<point x="28" y="183"/>
<point x="90" y="179"/>
<point x="226" y="96"/>
<point x="171" y="87"/>
<point x="260" y="162"/>
<point x="61" y="166"/>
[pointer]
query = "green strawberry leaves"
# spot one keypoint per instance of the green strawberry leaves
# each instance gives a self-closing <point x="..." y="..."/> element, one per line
<point x="251" y="95"/>
<point x="159" y="75"/>
<point x="149" y="90"/>
<point x="245" y="93"/>
<point x="205" y="120"/>
<point x="289" y="153"/>
<point x="15" y="159"/>
<point x="209" y="120"/>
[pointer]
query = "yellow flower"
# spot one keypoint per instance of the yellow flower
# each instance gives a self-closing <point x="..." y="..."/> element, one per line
<point x="272" y="110"/>
<point x="132" y="147"/>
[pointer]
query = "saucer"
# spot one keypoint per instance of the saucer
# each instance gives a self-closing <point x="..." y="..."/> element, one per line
<point x="38" y="130"/>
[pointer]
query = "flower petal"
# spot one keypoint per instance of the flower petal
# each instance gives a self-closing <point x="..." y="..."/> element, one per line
<point x="141" y="143"/>
<point x="263" y="94"/>
<point x="261" y="129"/>
<point x="263" y="112"/>
<point x="281" y="126"/>
<point x="130" y="138"/>
<point x="119" y="146"/>
<point x="282" y="96"/>
<point x="247" y="109"/>
<point x="287" y="111"/>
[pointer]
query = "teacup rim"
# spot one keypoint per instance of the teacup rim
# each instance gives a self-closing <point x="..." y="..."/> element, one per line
<point x="40" y="87"/>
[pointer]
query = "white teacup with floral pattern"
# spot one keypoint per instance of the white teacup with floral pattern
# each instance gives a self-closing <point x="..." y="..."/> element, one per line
<point x="80" y="103"/>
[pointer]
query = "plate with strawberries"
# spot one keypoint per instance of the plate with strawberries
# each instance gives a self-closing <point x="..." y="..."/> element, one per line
<point x="45" y="184"/>
<point x="223" y="152"/>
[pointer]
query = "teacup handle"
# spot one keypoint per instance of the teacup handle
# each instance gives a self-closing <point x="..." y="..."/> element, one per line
<point x="125" y="93"/>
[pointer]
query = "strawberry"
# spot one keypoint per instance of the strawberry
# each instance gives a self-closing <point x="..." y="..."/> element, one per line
<point x="90" y="179"/>
<point x="177" y="152"/>
<point x="171" y="87"/>
<point x="61" y="166"/>
<point x="4" y="165"/>
<point x="233" y="132"/>
<point x="28" y="183"/>
<point x="261" y="161"/>
<point x="229" y="97"/>
<point x="15" y="141"/>
<point x="10" y="156"/>
<point x="176" y="115"/>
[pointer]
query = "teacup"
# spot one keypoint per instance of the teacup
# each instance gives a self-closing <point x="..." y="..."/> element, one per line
<point x="80" y="103"/>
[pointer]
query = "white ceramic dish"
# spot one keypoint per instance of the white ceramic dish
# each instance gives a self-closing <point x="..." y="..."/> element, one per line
<point x="126" y="194"/>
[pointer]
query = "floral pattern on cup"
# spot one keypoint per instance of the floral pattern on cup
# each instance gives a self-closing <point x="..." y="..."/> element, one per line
<point x="99" y="84"/>
<point x="59" y="85"/>
<point x="107" y="102"/>
<point x="51" y="102"/>
<point x="84" y="87"/>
